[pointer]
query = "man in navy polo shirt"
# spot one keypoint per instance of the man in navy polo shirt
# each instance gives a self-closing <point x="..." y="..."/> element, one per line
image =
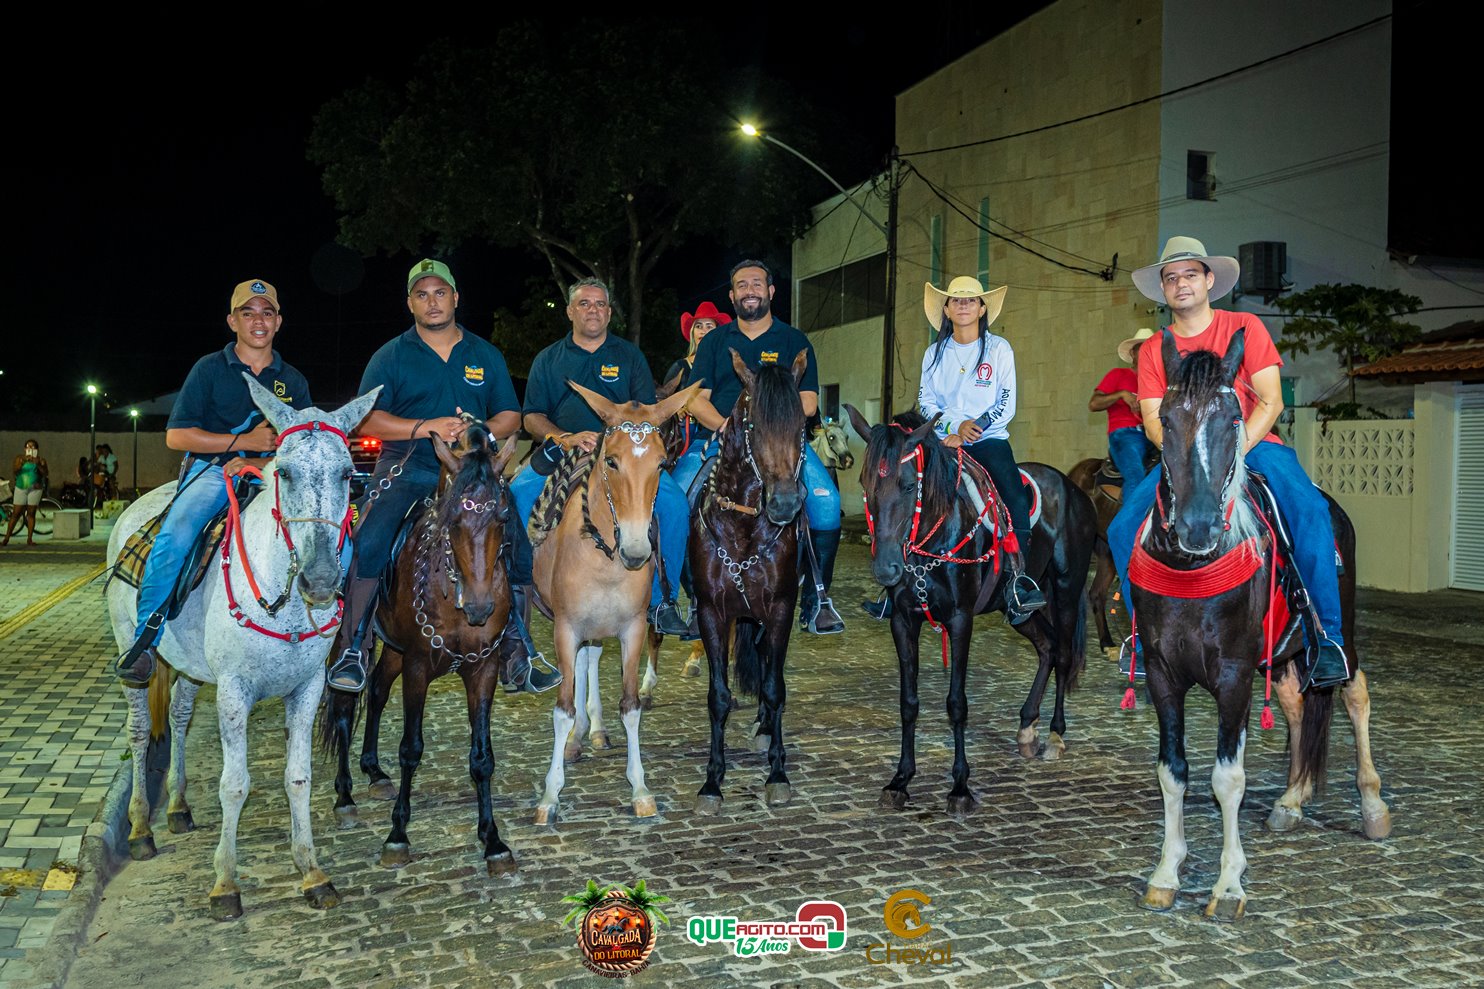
<point x="428" y="376"/>
<point x="215" y="423"/>
<point x="760" y="338"/>
<point x="617" y="370"/>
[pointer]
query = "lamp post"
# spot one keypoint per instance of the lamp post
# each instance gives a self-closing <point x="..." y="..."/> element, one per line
<point x="134" y="417"/>
<point x="888" y="322"/>
<point x="92" y="442"/>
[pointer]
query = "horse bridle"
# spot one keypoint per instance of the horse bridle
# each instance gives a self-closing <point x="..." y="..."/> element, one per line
<point x="1167" y="519"/>
<point x="638" y="433"/>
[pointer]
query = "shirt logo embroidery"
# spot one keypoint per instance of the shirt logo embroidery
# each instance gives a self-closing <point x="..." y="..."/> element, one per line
<point x="281" y="390"/>
<point x="984" y="372"/>
<point x="608" y="372"/>
<point x="473" y="375"/>
<point x="768" y="357"/>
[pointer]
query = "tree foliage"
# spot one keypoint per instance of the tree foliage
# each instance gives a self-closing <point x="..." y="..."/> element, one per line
<point x="1356" y="322"/>
<point x="600" y="146"/>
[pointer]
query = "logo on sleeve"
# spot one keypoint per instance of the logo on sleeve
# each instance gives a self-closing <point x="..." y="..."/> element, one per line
<point x="473" y="375"/>
<point x="281" y="390"/>
<point x="768" y="357"/>
<point x="608" y="372"/>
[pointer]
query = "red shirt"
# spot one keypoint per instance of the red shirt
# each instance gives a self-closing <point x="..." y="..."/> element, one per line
<point x="1258" y="353"/>
<point x="1120" y="416"/>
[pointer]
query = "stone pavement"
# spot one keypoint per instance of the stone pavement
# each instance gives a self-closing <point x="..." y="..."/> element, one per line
<point x="1039" y="886"/>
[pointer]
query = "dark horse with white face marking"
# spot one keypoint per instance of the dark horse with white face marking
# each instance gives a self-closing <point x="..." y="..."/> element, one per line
<point x="1201" y="582"/>
<point x="744" y="541"/>
<point x="931" y="547"/>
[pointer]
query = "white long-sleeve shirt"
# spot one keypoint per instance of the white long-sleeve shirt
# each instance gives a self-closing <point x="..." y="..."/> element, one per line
<point x="961" y="386"/>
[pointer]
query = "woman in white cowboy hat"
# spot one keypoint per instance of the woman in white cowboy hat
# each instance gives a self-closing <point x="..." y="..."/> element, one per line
<point x="968" y="380"/>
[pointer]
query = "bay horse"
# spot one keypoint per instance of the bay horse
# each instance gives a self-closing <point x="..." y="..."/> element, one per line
<point x="593" y="589"/>
<point x="1202" y="581"/>
<point x="744" y="545"/>
<point x="933" y="549"/>
<point x="445" y="612"/>
<point x="250" y="648"/>
<point x="1084" y="474"/>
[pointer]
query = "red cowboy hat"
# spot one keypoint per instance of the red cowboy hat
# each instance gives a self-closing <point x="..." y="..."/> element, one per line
<point x="704" y="311"/>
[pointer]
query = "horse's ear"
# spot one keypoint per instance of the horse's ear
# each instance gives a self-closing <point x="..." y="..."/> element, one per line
<point x="352" y="413"/>
<point x="858" y="423"/>
<point x="1171" y="355"/>
<point x="669" y="406"/>
<point x="740" y="366"/>
<point x="800" y="365"/>
<point x="502" y="458"/>
<point x="1231" y="361"/>
<point x="605" y="409"/>
<point x="924" y="432"/>
<point x="280" y="414"/>
<point x="667" y="389"/>
<point x="445" y="455"/>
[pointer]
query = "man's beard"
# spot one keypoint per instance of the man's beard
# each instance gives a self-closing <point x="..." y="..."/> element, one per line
<point x="747" y="311"/>
<point x="446" y="322"/>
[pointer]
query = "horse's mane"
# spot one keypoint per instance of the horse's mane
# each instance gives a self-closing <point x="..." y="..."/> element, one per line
<point x="476" y="480"/>
<point x="939" y="470"/>
<point x="1198" y="376"/>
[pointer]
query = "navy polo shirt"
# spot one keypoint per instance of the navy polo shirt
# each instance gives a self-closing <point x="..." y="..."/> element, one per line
<point x="617" y="370"/>
<point x="778" y="344"/>
<point x="215" y="398"/>
<point x="416" y="383"/>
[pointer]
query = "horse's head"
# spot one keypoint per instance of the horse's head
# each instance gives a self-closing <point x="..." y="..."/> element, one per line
<point x="832" y="444"/>
<point x="895" y="452"/>
<point x="473" y="509"/>
<point x="768" y="424"/>
<point x="628" y="463"/>
<point x="311" y="479"/>
<point x="1202" y="457"/>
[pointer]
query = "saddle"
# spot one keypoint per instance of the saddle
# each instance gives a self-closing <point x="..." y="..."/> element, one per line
<point x="570" y="474"/>
<point x="1109" y="479"/>
<point x="137" y="548"/>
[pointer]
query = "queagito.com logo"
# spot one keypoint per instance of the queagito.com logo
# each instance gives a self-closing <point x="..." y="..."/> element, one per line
<point x="903" y="918"/>
<point x="818" y="925"/>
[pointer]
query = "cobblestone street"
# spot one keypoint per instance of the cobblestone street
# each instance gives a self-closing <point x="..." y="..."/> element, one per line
<point x="1038" y="886"/>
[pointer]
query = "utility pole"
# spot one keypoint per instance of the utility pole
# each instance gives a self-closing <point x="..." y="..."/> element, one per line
<point x="888" y="324"/>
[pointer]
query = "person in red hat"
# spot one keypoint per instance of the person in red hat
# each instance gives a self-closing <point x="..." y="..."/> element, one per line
<point x="694" y="327"/>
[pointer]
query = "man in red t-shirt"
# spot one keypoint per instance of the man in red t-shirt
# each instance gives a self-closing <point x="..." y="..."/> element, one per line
<point x="1185" y="279"/>
<point x="1117" y="394"/>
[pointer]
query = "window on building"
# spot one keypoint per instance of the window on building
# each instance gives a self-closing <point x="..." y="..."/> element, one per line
<point x="1200" y="175"/>
<point x="842" y="295"/>
<point x="829" y="402"/>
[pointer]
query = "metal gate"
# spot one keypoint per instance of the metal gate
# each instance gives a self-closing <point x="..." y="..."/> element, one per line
<point x="1467" y="552"/>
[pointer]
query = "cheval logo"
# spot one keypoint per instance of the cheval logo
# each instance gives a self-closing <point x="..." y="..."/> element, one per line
<point x="984" y="372"/>
<point x="903" y="918"/>
<point x="818" y="925"/>
<point x="768" y="357"/>
<point x="281" y="390"/>
<point x="258" y="288"/>
<point x="616" y="927"/>
<point x="608" y="372"/>
<point x="473" y="375"/>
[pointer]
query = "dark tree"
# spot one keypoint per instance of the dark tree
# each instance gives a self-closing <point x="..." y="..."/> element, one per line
<point x="1354" y="321"/>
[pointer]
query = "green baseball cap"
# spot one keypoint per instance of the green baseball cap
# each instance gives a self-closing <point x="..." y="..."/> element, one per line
<point x="427" y="267"/>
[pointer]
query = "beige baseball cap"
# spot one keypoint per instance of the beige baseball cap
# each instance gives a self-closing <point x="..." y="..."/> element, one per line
<point x="254" y="288"/>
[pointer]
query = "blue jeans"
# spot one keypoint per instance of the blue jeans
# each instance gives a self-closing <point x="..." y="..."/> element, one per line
<point x="202" y="493"/>
<point x="669" y="505"/>
<point x="1128" y="447"/>
<point x="1305" y="512"/>
<point x="821" y="497"/>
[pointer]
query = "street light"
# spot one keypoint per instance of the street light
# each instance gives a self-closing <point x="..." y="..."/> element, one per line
<point x="92" y="442"/>
<point x="134" y="415"/>
<point x="752" y="131"/>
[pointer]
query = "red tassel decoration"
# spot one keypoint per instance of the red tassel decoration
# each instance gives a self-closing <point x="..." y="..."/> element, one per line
<point x="1128" y="700"/>
<point x="1267" y="717"/>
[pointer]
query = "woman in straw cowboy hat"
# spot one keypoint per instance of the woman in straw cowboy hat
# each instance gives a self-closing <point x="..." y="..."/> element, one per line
<point x="968" y="380"/>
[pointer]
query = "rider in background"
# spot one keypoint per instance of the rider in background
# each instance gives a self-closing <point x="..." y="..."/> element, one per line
<point x="694" y="327"/>
<point x="761" y="339"/>
<point x="1186" y="278"/>
<point x="220" y="430"/>
<point x="1117" y="394"/>
<point x="968" y="379"/>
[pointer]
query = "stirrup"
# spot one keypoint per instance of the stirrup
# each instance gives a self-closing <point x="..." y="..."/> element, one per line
<point x="527" y="679"/>
<point x="348" y="674"/>
<point x="1128" y="655"/>
<point x="829" y="627"/>
<point x="1330" y="666"/>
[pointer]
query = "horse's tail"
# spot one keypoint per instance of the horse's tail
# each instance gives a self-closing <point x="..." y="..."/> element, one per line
<point x="749" y="660"/>
<point x="1319" y="704"/>
<point x="1077" y="661"/>
<point x="338" y="717"/>
<point x="159" y="700"/>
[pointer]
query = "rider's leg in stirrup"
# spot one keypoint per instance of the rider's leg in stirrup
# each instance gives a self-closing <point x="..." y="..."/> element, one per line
<point x="672" y="515"/>
<point x="817" y="612"/>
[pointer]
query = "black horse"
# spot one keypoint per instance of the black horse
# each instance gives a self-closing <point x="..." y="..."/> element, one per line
<point x="446" y="613"/>
<point x="932" y="513"/>
<point x="1202" y="582"/>
<point x="744" y="542"/>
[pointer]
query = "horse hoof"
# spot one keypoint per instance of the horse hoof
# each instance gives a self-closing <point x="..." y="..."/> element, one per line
<point x="1283" y="818"/>
<point x="708" y="804"/>
<point x="600" y="741"/>
<point x="322" y="897"/>
<point x="645" y="807"/>
<point x="545" y="814"/>
<point x="227" y="906"/>
<point x="892" y="800"/>
<point x="1377" y="827"/>
<point x="383" y="790"/>
<point x="142" y="848"/>
<point x="1158" y="898"/>
<point x="347" y="817"/>
<point x="395" y="854"/>
<point x="960" y="804"/>
<point x="777" y="794"/>
<point x="1029" y="750"/>
<point x="1111" y="653"/>
<point x="761" y="743"/>
<point x="180" y="822"/>
<point x="1055" y="748"/>
<point x="692" y="668"/>
<point x="1226" y="909"/>
<point x="571" y="754"/>
<point x="500" y="865"/>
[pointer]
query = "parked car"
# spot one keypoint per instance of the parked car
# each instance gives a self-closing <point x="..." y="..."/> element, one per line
<point x="364" y="451"/>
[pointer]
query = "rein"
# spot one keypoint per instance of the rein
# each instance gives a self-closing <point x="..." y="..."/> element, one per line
<point x="424" y="565"/>
<point x="637" y="432"/>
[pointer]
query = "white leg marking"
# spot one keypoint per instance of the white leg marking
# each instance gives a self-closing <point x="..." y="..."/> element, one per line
<point x="1172" y="855"/>
<point x="1229" y="782"/>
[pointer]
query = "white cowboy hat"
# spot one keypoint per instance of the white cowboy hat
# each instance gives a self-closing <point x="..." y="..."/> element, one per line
<point x="1126" y="348"/>
<point x="962" y="287"/>
<point x="1226" y="270"/>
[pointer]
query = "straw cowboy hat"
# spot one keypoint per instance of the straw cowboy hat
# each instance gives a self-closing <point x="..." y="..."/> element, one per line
<point x="704" y="311"/>
<point x="1126" y="348"/>
<point x="962" y="287"/>
<point x="1226" y="270"/>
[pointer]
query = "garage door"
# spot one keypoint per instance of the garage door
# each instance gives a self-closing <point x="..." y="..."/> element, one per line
<point x="1468" y="492"/>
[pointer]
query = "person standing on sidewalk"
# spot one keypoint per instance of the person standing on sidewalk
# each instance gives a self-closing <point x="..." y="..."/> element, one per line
<point x="30" y="481"/>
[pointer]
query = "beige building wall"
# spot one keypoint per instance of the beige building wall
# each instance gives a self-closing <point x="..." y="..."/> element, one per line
<point x="157" y="462"/>
<point x="1080" y="194"/>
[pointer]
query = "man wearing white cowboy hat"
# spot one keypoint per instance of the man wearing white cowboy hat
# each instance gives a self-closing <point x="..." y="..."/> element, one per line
<point x="1117" y="395"/>
<point x="1186" y="278"/>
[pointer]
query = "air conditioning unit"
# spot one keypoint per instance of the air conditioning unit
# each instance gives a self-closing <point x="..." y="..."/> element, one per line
<point x="1263" y="265"/>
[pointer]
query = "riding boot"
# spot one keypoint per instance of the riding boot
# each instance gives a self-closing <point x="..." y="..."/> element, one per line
<point x="136" y="664"/>
<point x="517" y="673"/>
<point x="1329" y="666"/>
<point x="1022" y="595"/>
<point x="817" y="614"/>
<point x="348" y="672"/>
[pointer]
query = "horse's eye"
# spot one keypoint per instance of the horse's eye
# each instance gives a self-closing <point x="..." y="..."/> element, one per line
<point x="611" y="462"/>
<point x="284" y="475"/>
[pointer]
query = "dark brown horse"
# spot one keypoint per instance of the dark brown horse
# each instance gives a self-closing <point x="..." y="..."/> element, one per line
<point x="932" y="549"/>
<point x="1106" y="501"/>
<point x="744" y="541"/>
<point x="1202" y="581"/>
<point x="445" y="613"/>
